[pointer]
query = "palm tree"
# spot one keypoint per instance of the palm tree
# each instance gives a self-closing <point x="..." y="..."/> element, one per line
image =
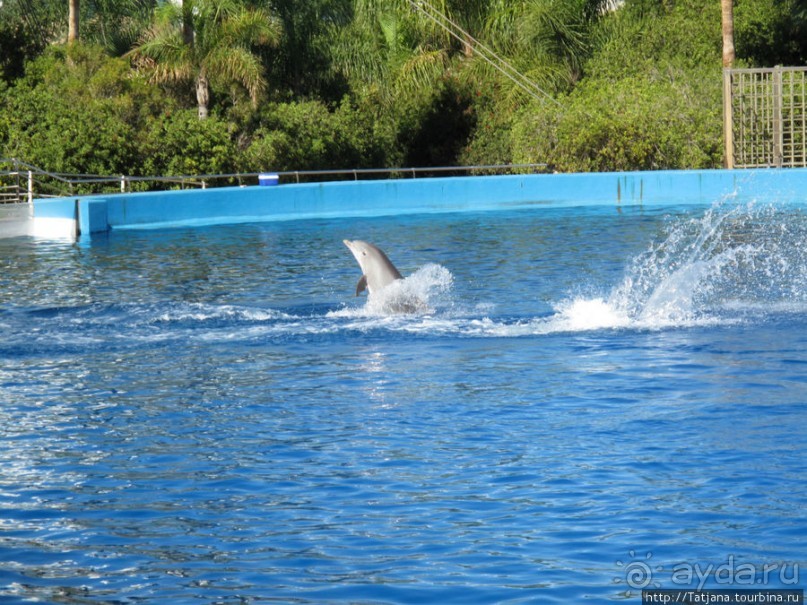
<point x="207" y="42"/>
<point x="727" y="10"/>
<point x="116" y="25"/>
<point x="384" y="49"/>
<point x="412" y="43"/>
<point x="72" y="21"/>
<point x="310" y="28"/>
<point x="546" y="40"/>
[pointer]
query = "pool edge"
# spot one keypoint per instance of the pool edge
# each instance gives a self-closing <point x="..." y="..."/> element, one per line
<point x="164" y="209"/>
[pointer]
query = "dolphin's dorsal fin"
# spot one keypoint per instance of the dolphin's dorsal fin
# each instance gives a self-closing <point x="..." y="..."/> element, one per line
<point x="362" y="285"/>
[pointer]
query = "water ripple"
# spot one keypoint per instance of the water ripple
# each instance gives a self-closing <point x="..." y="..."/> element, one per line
<point x="207" y="434"/>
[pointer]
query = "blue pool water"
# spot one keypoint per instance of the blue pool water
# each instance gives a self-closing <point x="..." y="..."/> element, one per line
<point x="593" y="401"/>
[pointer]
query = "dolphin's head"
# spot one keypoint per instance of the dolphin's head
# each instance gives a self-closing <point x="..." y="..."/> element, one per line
<point x="362" y="251"/>
<point x="377" y="269"/>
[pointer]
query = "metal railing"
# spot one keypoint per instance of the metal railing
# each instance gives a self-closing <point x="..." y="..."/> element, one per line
<point x="765" y="114"/>
<point x="15" y="182"/>
<point x="21" y="182"/>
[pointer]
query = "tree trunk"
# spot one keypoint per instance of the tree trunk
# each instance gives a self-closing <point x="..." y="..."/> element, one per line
<point x="187" y="22"/>
<point x="728" y="32"/>
<point x="72" y="21"/>
<point x="202" y="94"/>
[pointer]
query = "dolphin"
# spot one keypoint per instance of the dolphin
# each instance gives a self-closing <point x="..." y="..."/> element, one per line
<point x="377" y="270"/>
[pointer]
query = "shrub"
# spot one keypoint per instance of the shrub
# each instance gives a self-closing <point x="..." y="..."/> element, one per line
<point x="306" y="135"/>
<point x="492" y="140"/>
<point x="651" y="97"/>
<point x="54" y="132"/>
<point x="771" y="33"/>
<point x="81" y="115"/>
<point x="179" y="143"/>
<point x="631" y="124"/>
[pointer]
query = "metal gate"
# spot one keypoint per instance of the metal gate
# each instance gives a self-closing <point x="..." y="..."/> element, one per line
<point x="765" y="117"/>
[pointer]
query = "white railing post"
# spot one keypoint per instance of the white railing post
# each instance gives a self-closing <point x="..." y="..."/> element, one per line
<point x="30" y="186"/>
<point x="123" y="184"/>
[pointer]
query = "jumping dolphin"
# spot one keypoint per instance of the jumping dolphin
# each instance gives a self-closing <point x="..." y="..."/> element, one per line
<point x="377" y="270"/>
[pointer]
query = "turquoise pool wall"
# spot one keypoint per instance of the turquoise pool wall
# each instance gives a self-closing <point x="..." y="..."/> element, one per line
<point x="407" y="196"/>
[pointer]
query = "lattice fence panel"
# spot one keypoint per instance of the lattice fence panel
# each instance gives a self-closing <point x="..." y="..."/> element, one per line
<point x="794" y="117"/>
<point x="766" y="117"/>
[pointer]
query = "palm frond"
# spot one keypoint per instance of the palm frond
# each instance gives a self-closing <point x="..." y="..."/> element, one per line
<point x="167" y="14"/>
<point x="163" y="53"/>
<point x="558" y="26"/>
<point x="216" y="11"/>
<point x="421" y="71"/>
<point x="502" y="24"/>
<point x="253" y="27"/>
<point x="236" y="64"/>
<point x="224" y="33"/>
<point x="356" y="55"/>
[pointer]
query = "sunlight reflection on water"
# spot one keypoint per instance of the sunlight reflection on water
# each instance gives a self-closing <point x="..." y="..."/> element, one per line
<point x="210" y="415"/>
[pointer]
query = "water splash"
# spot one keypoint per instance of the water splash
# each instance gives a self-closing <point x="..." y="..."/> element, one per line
<point x="201" y="312"/>
<point x="733" y="258"/>
<point x="426" y="291"/>
<point x="587" y="314"/>
<point x="732" y="263"/>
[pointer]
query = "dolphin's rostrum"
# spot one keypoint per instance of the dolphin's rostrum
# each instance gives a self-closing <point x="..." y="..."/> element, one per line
<point x="377" y="270"/>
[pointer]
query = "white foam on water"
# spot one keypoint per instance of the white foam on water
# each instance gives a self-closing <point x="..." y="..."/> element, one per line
<point x="735" y="260"/>
<point x="732" y="262"/>
<point x="588" y="314"/>
<point x="570" y="316"/>
<point x="424" y="292"/>
<point x="729" y="264"/>
<point x="205" y="312"/>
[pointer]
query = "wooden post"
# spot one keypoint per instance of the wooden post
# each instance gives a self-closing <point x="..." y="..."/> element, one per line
<point x="728" y="119"/>
<point x="778" y="138"/>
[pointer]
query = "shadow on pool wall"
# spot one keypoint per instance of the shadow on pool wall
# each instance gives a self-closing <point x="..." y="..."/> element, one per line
<point x="89" y="215"/>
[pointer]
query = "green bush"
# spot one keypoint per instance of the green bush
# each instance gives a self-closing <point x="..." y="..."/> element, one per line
<point x="491" y="141"/>
<point x="17" y="45"/>
<point x="77" y="114"/>
<point x="649" y="37"/>
<point x="651" y="97"/>
<point x="631" y="124"/>
<point x="59" y="127"/>
<point x="771" y="33"/>
<point x="437" y="127"/>
<point x="179" y="143"/>
<point x="306" y="135"/>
